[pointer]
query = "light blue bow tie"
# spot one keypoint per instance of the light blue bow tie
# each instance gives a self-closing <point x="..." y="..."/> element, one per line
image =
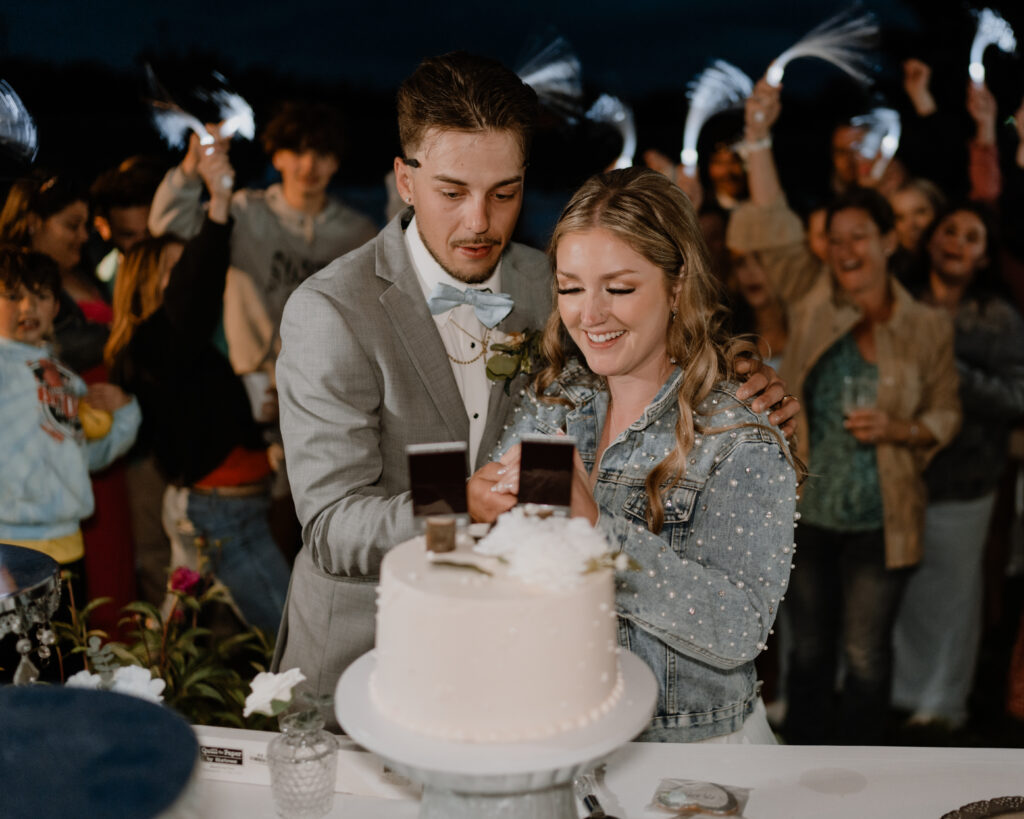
<point x="489" y="307"/>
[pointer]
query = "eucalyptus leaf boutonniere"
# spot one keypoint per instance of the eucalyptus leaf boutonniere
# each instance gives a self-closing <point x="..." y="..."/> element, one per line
<point x="516" y="353"/>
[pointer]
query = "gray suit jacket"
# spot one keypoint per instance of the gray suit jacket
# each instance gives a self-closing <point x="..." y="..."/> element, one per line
<point x="362" y="374"/>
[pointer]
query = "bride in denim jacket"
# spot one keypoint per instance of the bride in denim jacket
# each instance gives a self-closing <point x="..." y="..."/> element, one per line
<point x="687" y="479"/>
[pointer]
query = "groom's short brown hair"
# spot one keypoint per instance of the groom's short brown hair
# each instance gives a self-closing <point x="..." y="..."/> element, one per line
<point x="464" y="92"/>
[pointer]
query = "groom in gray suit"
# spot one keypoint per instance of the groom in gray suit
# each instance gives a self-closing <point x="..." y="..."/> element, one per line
<point x="374" y="356"/>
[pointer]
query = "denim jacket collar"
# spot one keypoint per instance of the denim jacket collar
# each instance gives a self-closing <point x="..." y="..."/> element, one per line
<point x="589" y="397"/>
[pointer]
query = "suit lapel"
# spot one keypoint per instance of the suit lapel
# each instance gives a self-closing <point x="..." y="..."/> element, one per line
<point x="416" y="330"/>
<point x="530" y="305"/>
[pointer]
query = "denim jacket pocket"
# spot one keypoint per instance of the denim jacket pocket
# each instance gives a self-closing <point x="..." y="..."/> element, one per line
<point x="678" y="512"/>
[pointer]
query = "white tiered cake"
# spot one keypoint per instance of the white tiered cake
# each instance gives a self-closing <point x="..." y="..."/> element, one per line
<point x="526" y="650"/>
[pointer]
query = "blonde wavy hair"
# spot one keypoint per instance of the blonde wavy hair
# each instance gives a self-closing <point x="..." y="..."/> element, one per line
<point x="655" y="218"/>
<point x="138" y="291"/>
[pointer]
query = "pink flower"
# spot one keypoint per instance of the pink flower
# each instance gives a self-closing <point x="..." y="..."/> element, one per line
<point x="184" y="580"/>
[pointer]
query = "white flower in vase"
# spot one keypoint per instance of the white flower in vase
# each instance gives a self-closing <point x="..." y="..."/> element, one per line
<point x="272" y="693"/>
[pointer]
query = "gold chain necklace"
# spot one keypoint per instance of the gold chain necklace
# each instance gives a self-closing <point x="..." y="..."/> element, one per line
<point x="481" y="341"/>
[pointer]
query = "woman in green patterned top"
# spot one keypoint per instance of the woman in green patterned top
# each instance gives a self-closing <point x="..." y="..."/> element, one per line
<point x="863" y="504"/>
<point x="874" y="371"/>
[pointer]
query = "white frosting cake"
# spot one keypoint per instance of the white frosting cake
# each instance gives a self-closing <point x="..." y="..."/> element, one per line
<point x="524" y="651"/>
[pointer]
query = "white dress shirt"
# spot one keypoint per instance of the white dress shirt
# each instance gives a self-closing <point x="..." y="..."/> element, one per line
<point x="462" y="334"/>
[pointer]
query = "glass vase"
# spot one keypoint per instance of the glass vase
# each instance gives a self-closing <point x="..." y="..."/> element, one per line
<point x="303" y="762"/>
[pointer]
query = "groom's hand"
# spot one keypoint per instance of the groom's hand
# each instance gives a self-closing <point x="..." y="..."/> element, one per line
<point x="763" y="385"/>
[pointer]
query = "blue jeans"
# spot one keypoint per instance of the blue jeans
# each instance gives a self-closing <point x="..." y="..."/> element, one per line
<point x="243" y="554"/>
<point x="840" y="595"/>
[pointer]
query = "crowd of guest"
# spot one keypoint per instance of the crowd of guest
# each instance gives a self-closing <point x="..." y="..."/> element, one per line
<point x="892" y="312"/>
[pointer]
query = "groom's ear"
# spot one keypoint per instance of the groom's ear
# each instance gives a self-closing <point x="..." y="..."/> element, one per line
<point x="404" y="180"/>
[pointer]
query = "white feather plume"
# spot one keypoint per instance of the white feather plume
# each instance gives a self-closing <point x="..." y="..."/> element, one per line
<point x="554" y="73"/>
<point x="17" y="128"/>
<point x="841" y="40"/>
<point x="235" y="113"/>
<point x="174" y="124"/>
<point x="882" y="130"/>
<point x="717" y="88"/>
<point x="992" y="30"/>
<point x="615" y="112"/>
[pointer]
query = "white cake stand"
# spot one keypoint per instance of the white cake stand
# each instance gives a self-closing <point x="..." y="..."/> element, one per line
<point x="472" y="780"/>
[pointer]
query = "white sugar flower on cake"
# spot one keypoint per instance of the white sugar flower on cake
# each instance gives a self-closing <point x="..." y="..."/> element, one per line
<point x="553" y="553"/>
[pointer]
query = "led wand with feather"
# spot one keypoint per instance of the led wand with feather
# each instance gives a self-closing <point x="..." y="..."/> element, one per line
<point x="992" y="30"/>
<point x="718" y="88"/>
<point x="174" y="122"/>
<point x="882" y="130"/>
<point x="613" y="111"/>
<point x="840" y="40"/>
<point x="554" y="74"/>
<point x="17" y="128"/>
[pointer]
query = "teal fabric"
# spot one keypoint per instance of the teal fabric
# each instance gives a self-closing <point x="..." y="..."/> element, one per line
<point x="842" y="492"/>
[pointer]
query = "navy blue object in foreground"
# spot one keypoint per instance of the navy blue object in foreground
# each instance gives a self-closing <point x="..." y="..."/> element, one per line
<point x="71" y="752"/>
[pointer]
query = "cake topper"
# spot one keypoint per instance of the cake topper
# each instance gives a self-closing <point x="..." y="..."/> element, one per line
<point x="437" y="481"/>
<point x="546" y="471"/>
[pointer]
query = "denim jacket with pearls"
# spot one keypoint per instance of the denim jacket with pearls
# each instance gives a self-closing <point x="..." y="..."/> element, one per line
<point x="702" y="605"/>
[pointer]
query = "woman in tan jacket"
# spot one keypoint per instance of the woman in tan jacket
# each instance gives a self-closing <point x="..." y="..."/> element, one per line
<point x="863" y="505"/>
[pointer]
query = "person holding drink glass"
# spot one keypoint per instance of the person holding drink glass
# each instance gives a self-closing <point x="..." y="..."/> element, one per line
<point x="862" y="506"/>
<point x="874" y="371"/>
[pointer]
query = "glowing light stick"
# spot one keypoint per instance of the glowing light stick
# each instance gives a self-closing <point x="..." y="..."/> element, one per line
<point x="171" y="120"/>
<point x="615" y="112"/>
<point x="235" y="113"/>
<point x="718" y="88"/>
<point x="17" y="128"/>
<point x="174" y="122"/>
<point x="881" y="140"/>
<point x="840" y="40"/>
<point x="992" y="30"/>
<point x="554" y="73"/>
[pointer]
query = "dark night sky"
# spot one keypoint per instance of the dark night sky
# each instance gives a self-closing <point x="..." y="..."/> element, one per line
<point x="78" y="66"/>
<point x="653" y="45"/>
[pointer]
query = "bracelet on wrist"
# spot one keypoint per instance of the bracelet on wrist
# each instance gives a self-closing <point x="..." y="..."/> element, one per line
<point x="747" y="147"/>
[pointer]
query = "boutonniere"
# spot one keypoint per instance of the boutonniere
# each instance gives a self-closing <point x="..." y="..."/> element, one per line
<point x="516" y="353"/>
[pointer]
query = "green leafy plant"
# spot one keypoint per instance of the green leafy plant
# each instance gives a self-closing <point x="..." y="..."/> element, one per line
<point x="207" y="670"/>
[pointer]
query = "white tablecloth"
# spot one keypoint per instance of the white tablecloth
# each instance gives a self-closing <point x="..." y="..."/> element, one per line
<point x="785" y="782"/>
